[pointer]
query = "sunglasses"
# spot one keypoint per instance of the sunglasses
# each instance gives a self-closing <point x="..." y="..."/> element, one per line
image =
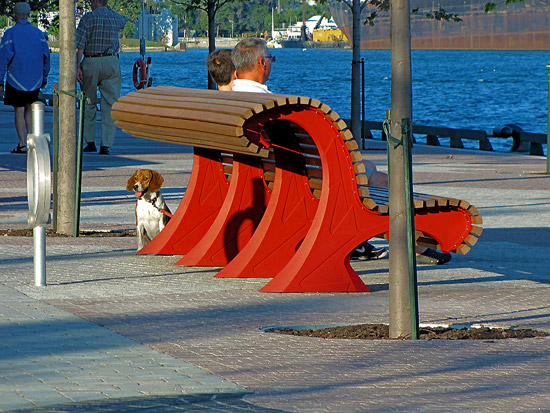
<point x="272" y="58"/>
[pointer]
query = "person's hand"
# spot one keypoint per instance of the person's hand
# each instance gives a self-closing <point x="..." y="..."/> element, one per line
<point x="79" y="75"/>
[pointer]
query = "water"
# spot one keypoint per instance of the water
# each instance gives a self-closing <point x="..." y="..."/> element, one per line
<point x="456" y="89"/>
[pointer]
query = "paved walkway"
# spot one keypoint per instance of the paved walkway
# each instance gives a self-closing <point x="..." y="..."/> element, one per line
<point x="119" y="332"/>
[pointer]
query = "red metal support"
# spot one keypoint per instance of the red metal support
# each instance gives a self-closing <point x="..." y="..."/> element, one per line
<point x="237" y="219"/>
<point x="341" y="222"/>
<point x="283" y="227"/>
<point x="198" y="208"/>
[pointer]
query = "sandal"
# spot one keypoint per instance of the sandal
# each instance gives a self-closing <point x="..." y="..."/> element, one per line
<point x="20" y="149"/>
<point x="433" y="257"/>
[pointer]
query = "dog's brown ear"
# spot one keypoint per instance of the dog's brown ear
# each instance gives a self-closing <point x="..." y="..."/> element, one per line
<point x="131" y="182"/>
<point x="156" y="181"/>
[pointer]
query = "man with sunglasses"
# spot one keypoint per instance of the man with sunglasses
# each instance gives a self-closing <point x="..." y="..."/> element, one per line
<point x="253" y="62"/>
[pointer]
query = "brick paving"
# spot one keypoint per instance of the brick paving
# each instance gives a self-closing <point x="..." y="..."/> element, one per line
<point x="181" y="339"/>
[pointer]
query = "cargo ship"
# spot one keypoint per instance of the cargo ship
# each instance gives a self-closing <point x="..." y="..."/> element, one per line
<point x="516" y="26"/>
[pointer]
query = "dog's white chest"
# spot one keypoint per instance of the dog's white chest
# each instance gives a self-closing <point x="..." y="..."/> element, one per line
<point x="149" y="216"/>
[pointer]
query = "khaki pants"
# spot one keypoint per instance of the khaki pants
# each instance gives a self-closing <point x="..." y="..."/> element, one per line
<point x="102" y="73"/>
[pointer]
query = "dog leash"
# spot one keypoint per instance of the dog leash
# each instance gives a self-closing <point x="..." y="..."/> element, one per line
<point x="165" y="212"/>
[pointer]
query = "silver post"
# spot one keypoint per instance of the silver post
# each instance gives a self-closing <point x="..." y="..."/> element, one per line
<point x="39" y="238"/>
<point x="37" y="118"/>
<point x="39" y="188"/>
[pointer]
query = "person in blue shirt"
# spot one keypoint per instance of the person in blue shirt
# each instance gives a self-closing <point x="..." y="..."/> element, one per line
<point x="25" y="65"/>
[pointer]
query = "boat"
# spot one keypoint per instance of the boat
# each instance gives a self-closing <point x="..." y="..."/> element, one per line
<point x="291" y="37"/>
<point x="515" y="26"/>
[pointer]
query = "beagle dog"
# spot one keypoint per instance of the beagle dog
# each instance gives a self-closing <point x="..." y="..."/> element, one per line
<point x="152" y="213"/>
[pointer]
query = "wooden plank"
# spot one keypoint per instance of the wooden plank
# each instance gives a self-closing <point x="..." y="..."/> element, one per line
<point x="352" y="145"/>
<point x="346" y="134"/>
<point x="340" y="124"/>
<point x="169" y="100"/>
<point x="475" y="230"/>
<point x="206" y="127"/>
<point x="315" y="183"/>
<point x="212" y="94"/>
<point x="470" y="240"/>
<point x="314" y="160"/>
<point x="356" y="156"/>
<point x="462" y="249"/>
<point x="472" y="210"/>
<point x="204" y="144"/>
<point x="370" y="204"/>
<point x="192" y="104"/>
<point x="363" y="191"/>
<point x="361" y="179"/>
<point x="477" y="220"/>
<point x="188" y="136"/>
<point x="181" y="114"/>
<point x="359" y="168"/>
<point x="325" y="108"/>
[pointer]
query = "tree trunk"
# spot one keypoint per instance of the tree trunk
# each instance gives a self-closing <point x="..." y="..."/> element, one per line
<point x="211" y="11"/>
<point x="402" y="275"/>
<point x="66" y="187"/>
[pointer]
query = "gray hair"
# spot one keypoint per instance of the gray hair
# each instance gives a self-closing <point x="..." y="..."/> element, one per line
<point x="246" y="53"/>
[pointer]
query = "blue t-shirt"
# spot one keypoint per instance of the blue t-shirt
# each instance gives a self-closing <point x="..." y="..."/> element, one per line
<point x="24" y="57"/>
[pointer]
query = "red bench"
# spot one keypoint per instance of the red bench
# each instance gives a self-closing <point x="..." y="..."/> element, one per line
<point x="277" y="189"/>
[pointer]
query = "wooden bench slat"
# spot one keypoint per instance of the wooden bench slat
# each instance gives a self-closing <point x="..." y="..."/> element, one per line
<point x="181" y="114"/>
<point x="205" y="106"/>
<point x="225" y="130"/>
<point x="250" y="150"/>
<point x="185" y="134"/>
<point x="190" y="100"/>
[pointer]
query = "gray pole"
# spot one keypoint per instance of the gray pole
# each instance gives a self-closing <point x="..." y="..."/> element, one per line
<point x="67" y="117"/>
<point x="401" y="118"/>
<point x="355" y="69"/>
<point x="39" y="231"/>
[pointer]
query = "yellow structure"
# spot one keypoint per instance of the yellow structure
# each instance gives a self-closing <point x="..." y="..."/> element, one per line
<point x="329" y="35"/>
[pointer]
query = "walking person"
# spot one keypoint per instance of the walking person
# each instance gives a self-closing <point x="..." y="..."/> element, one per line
<point x="97" y="41"/>
<point x="25" y="63"/>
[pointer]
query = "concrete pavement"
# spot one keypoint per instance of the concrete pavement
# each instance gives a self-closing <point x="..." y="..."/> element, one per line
<point x="117" y="331"/>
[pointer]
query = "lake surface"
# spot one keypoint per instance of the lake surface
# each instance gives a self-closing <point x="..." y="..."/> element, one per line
<point x="457" y="89"/>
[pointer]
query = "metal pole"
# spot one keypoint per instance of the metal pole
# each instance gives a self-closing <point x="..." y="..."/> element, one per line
<point x="55" y="150"/>
<point x="78" y="191"/>
<point x="39" y="231"/>
<point x="411" y="241"/>
<point x="39" y="244"/>
<point x="363" y="104"/>
<point x="548" y="126"/>
<point x="355" y="69"/>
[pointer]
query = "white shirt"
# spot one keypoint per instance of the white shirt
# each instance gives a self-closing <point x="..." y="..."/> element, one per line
<point x="245" y="85"/>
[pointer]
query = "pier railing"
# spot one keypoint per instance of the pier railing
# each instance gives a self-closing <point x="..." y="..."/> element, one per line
<point x="522" y="141"/>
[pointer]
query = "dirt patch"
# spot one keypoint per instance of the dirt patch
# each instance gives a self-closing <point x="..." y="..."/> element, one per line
<point x="382" y="332"/>
<point x="27" y="232"/>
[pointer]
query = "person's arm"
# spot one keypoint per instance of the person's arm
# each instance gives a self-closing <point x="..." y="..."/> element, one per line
<point x="46" y="53"/>
<point x="79" y="74"/>
<point x="6" y="54"/>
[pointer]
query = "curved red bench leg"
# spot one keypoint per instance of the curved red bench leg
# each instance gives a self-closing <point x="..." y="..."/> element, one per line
<point x="284" y="225"/>
<point x="321" y="264"/>
<point x="237" y="219"/>
<point x="198" y="208"/>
